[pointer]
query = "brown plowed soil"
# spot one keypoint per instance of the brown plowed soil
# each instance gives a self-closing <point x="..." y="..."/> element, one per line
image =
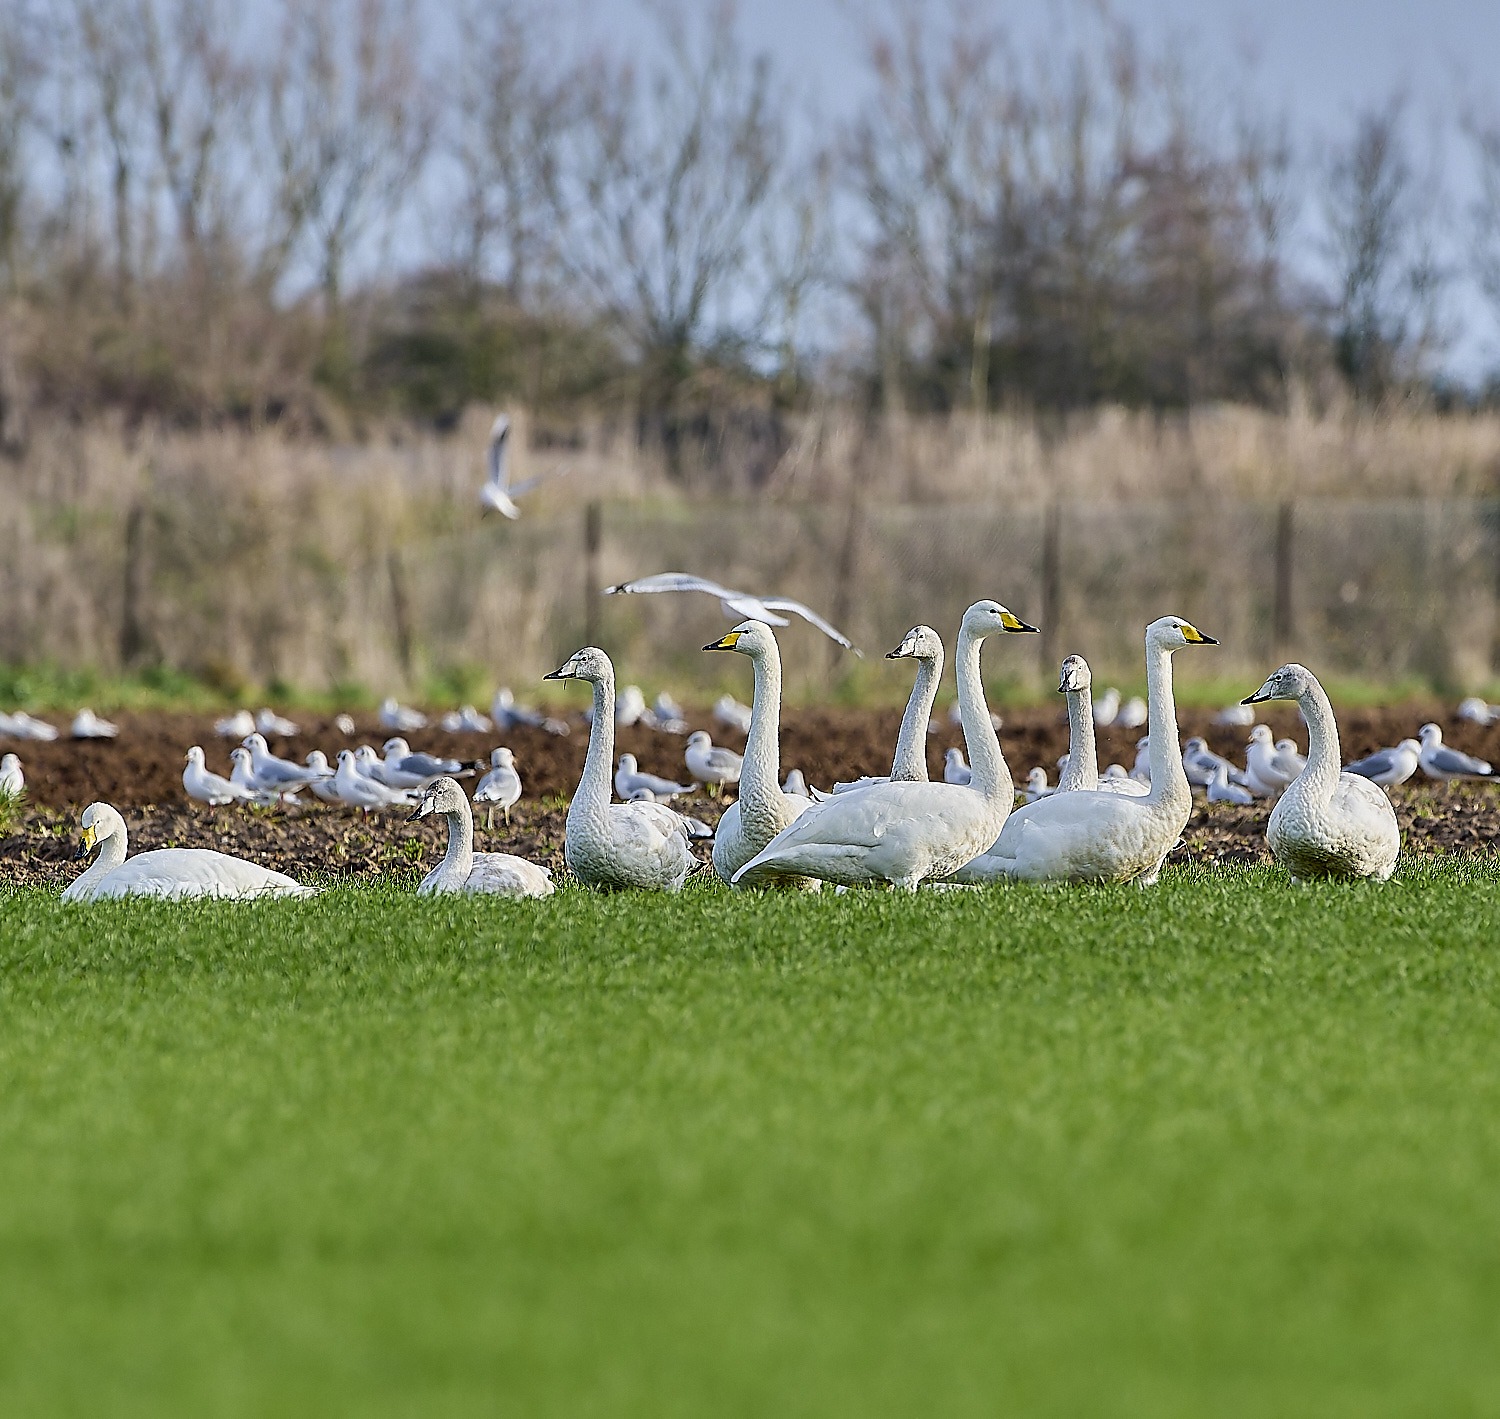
<point x="141" y="774"/>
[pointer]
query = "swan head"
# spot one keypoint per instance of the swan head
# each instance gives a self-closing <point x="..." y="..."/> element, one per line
<point x="920" y="643"/>
<point x="395" y="748"/>
<point x="99" y="822"/>
<point x="752" y="638"/>
<point x="502" y="759"/>
<point x="1076" y="675"/>
<point x="985" y="618"/>
<point x="442" y="795"/>
<point x="1286" y="683"/>
<point x="590" y="664"/>
<point x="1430" y="734"/>
<point x="1172" y="633"/>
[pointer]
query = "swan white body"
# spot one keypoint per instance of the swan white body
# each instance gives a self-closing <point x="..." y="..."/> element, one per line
<point x="902" y="833"/>
<point x="1093" y="836"/>
<point x="763" y="808"/>
<point x="1440" y="762"/>
<point x="1327" y="823"/>
<point x="733" y="603"/>
<point x="464" y="870"/>
<point x="1115" y="780"/>
<point x="12" y="778"/>
<point x="501" y="787"/>
<point x="1388" y="767"/>
<point x="617" y="844"/>
<point x="167" y="872"/>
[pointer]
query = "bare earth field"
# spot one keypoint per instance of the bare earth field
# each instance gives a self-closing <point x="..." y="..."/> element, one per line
<point x="140" y="773"/>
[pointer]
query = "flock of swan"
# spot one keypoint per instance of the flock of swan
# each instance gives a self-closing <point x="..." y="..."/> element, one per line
<point x="899" y="830"/>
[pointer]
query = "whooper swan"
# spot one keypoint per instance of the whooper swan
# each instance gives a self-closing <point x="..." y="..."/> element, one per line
<point x="1091" y="836"/>
<point x="763" y="807"/>
<point x="909" y="763"/>
<point x="1327" y="823"/>
<point x="902" y="833"/>
<point x="463" y="869"/>
<point x="1082" y="771"/>
<point x="617" y="844"/>
<point x="168" y="872"/>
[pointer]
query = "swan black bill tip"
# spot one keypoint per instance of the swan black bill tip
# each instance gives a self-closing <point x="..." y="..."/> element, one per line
<point x="1206" y="640"/>
<point x="1251" y="699"/>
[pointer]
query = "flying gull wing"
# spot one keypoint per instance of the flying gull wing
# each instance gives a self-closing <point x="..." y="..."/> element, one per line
<point x="781" y="603"/>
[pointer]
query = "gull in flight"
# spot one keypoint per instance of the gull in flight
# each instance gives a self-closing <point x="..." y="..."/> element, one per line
<point x="499" y="493"/>
<point x="737" y="605"/>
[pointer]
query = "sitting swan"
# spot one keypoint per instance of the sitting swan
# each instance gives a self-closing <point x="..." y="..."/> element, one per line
<point x="167" y="872"/>
<point x="903" y="832"/>
<point x="617" y="844"/>
<point x="463" y="869"/>
<point x="909" y="764"/>
<point x="1089" y="836"/>
<point x="1328" y="823"/>
<point x="763" y="808"/>
<point x="1082" y="771"/>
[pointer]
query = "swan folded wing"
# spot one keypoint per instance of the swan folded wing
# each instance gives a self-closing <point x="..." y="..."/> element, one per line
<point x="195" y="872"/>
<point x="1087" y="835"/>
<point x="503" y="873"/>
<point x="1366" y="803"/>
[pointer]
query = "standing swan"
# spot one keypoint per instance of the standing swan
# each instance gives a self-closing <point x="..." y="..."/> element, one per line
<point x="617" y="844"/>
<point x="902" y="832"/>
<point x="168" y="872"/>
<point x="463" y="869"/>
<point x="1091" y="836"/>
<point x="1327" y="823"/>
<point x="910" y="762"/>
<point x="1082" y="772"/>
<point x="763" y="808"/>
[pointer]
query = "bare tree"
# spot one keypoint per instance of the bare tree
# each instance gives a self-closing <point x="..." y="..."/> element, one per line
<point x="20" y="72"/>
<point x="663" y="183"/>
<point x="350" y="124"/>
<point x="1484" y="213"/>
<point x="1388" y="280"/>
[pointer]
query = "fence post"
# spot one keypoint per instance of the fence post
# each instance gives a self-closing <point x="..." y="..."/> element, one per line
<point x="132" y="630"/>
<point x="1281" y="614"/>
<point x="592" y="531"/>
<point x="1051" y="583"/>
<point x="400" y="611"/>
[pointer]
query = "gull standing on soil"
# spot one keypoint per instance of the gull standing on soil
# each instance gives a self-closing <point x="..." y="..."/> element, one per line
<point x="1037" y="786"/>
<point x="739" y="605"/>
<point x="507" y="714"/>
<point x="617" y="844"/>
<point x="168" y="872"/>
<point x="500" y="788"/>
<point x="1140" y="771"/>
<point x="88" y="725"/>
<point x="279" y="775"/>
<point x="709" y="765"/>
<point x="12" y="780"/>
<point x="498" y="493"/>
<point x="1327" y="823"/>
<point x="323" y="787"/>
<point x="359" y="790"/>
<point x="1440" y="762"/>
<point x="1220" y="790"/>
<point x="795" y="783"/>
<point x="270" y="723"/>
<point x="955" y="770"/>
<point x="400" y="718"/>
<point x="903" y="833"/>
<point x="1133" y="714"/>
<point x="403" y="769"/>
<point x="243" y="776"/>
<point x="464" y="870"/>
<point x="1268" y="769"/>
<point x="1201" y="764"/>
<point x="1388" y="767"/>
<point x="1107" y="708"/>
<point x="465" y="720"/>
<point x="629" y="780"/>
<point x="208" y="787"/>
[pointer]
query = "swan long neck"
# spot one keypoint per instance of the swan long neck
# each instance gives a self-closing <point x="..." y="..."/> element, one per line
<point x="1324" y="763"/>
<point x="111" y="854"/>
<point x="761" y="773"/>
<point x="594" y="787"/>
<point x="1083" y="757"/>
<point x="991" y="775"/>
<point x="910" y="763"/>
<point x="1168" y="777"/>
<point x="459" y="859"/>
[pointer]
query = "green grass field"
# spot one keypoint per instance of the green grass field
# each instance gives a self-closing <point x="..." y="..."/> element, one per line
<point x="1223" y="1148"/>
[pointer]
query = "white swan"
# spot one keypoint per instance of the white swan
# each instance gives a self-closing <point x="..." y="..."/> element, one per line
<point x="1327" y="823"/>
<point x="617" y="844"/>
<point x="763" y="808"/>
<point x="501" y="787"/>
<point x="909" y="763"/>
<point x="168" y="872"/>
<point x="903" y="832"/>
<point x="1106" y="837"/>
<point x="1080" y="772"/>
<point x="463" y="869"/>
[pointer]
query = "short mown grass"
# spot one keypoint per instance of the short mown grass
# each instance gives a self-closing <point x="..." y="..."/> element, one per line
<point x="1221" y="1148"/>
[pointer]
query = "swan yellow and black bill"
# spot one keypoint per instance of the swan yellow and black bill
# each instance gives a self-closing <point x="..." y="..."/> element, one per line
<point x="726" y="642"/>
<point x="86" y="843"/>
<point x="1012" y="622"/>
<point x="1193" y="636"/>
